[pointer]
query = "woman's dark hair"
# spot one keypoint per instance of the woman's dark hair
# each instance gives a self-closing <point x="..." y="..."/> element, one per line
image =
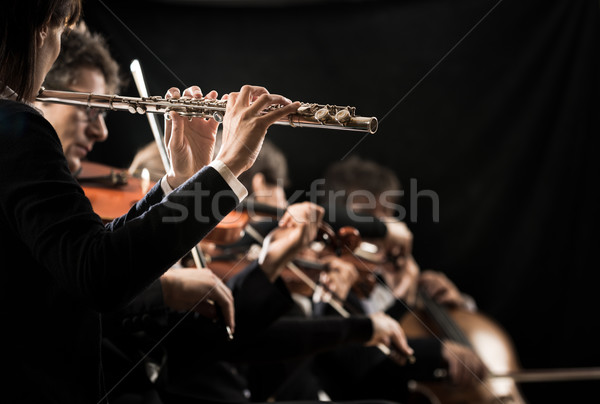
<point x="20" y="21"/>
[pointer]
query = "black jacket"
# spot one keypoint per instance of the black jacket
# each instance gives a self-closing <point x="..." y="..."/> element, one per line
<point x="61" y="266"/>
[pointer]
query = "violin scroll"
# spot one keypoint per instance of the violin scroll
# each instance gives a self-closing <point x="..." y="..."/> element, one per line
<point x="346" y="238"/>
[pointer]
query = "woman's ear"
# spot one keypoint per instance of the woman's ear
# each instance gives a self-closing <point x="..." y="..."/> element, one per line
<point x="42" y="35"/>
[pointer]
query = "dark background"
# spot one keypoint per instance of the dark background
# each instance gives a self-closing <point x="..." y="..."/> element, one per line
<point x="504" y="130"/>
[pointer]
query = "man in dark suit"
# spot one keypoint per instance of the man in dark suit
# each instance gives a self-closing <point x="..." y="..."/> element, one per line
<point x="369" y="189"/>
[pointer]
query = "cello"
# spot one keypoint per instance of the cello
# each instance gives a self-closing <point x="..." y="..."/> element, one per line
<point x="485" y="337"/>
<point x="472" y="329"/>
<point x="494" y="347"/>
<point x="476" y="331"/>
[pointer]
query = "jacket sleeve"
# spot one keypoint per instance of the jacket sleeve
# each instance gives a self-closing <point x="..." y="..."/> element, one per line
<point x="291" y="337"/>
<point x="105" y="267"/>
<point x="154" y="196"/>
<point x="258" y="302"/>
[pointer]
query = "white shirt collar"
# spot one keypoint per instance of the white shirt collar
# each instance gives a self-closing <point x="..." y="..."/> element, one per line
<point x="8" y="93"/>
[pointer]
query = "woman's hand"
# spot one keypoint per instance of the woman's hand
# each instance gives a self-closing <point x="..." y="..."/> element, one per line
<point x="190" y="143"/>
<point x="244" y="127"/>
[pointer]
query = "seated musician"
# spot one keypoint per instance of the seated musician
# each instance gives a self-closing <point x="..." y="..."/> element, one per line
<point x="85" y="65"/>
<point x="399" y="293"/>
<point x="264" y="180"/>
<point x="368" y="188"/>
<point x="191" y="373"/>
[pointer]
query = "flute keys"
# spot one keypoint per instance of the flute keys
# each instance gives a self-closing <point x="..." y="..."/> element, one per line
<point x="308" y="109"/>
<point x="305" y="109"/>
<point x="322" y="115"/>
<point x="217" y="116"/>
<point x="136" y="109"/>
<point x="343" y="116"/>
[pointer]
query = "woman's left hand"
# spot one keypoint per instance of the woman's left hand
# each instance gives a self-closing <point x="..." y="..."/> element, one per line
<point x="190" y="142"/>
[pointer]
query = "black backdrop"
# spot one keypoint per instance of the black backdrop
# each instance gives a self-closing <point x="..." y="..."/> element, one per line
<point x="504" y="130"/>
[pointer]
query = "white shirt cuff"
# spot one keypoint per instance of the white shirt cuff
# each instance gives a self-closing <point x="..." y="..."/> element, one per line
<point x="164" y="184"/>
<point x="240" y="190"/>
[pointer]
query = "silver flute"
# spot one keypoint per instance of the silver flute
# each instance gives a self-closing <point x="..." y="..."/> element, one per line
<point x="308" y="115"/>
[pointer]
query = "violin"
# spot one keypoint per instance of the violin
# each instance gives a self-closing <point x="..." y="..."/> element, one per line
<point x="302" y="274"/>
<point x="230" y="229"/>
<point x="111" y="191"/>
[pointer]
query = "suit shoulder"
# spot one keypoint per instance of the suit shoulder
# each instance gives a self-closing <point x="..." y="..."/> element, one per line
<point x="20" y="123"/>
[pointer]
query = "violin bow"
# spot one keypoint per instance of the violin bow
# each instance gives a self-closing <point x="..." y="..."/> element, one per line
<point x="337" y="306"/>
<point x="140" y="82"/>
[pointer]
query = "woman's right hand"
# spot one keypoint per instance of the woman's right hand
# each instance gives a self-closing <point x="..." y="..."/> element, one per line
<point x="244" y="127"/>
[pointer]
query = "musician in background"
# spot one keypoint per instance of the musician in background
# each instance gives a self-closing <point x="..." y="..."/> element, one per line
<point x="197" y="370"/>
<point x="369" y="189"/>
<point x="266" y="180"/>
<point x="84" y="65"/>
